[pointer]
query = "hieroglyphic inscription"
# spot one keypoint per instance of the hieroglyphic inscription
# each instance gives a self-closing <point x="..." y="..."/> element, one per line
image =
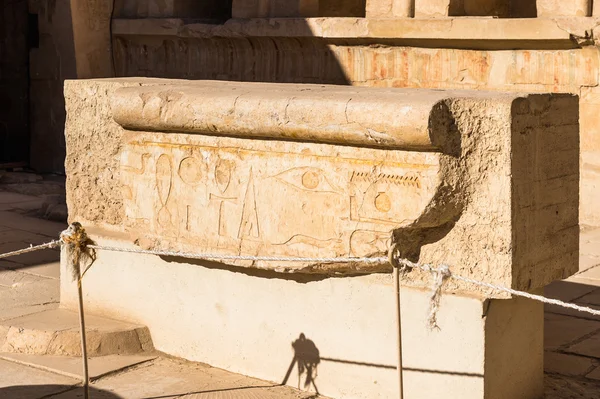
<point x="219" y="198"/>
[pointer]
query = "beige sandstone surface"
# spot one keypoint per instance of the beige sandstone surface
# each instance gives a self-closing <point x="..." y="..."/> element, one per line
<point x="339" y="178"/>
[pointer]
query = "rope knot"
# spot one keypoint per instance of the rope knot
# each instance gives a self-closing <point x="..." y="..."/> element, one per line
<point x="74" y="234"/>
<point x="76" y="240"/>
<point x="395" y="259"/>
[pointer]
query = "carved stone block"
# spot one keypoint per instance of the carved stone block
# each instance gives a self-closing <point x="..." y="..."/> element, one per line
<point x="484" y="182"/>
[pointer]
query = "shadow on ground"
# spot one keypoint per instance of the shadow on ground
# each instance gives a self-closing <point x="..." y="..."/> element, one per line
<point x="53" y="391"/>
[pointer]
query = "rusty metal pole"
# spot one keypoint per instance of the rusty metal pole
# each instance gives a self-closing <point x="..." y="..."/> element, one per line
<point x="84" y="358"/>
<point x="399" y="331"/>
<point x="396" y="265"/>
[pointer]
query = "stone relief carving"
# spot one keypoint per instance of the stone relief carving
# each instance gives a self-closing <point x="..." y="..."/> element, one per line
<point x="263" y="201"/>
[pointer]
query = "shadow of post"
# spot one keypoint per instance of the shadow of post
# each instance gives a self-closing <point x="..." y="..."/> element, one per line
<point x="306" y="358"/>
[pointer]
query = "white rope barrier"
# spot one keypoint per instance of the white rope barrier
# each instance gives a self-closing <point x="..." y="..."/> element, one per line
<point x="48" y="245"/>
<point x="80" y="245"/>
<point x="444" y="270"/>
<point x="210" y="256"/>
<point x="441" y="274"/>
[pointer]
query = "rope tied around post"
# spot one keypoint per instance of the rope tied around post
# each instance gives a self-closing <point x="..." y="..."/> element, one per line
<point x="76" y="241"/>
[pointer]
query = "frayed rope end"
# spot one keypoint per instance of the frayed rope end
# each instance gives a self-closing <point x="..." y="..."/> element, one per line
<point x="439" y="276"/>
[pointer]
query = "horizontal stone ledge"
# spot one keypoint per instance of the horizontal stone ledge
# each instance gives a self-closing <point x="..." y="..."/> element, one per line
<point x="390" y="118"/>
<point x="513" y="33"/>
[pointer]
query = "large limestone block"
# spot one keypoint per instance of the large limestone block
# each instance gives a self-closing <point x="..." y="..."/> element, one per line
<point x="248" y="321"/>
<point x="484" y="182"/>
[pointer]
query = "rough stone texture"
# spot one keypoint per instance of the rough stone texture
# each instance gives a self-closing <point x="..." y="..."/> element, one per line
<point x="438" y="8"/>
<point x="96" y="188"/>
<point x="481" y="33"/>
<point x="320" y="50"/>
<point x="553" y="8"/>
<point x="246" y="322"/>
<point x="389" y="8"/>
<point x="560" y="387"/>
<point x="446" y="195"/>
<point x="57" y="332"/>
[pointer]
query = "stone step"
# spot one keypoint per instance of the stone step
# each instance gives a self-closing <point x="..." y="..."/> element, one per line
<point x="56" y="332"/>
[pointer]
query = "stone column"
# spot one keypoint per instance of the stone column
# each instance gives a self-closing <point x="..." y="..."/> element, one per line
<point x="91" y="37"/>
<point x="486" y="183"/>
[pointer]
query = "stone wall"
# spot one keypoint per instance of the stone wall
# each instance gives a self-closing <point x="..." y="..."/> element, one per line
<point x="378" y="53"/>
<point x="14" y="85"/>
<point x="51" y="63"/>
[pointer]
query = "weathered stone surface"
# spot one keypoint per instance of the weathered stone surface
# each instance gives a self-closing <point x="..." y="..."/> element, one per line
<point x="94" y="198"/>
<point x="389" y="8"/>
<point x="437" y="8"/>
<point x="173" y="378"/>
<point x="209" y="192"/>
<point x="34" y="383"/>
<point x="541" y="55"/>
<point x="364" y="117"/>
<point x="481" y="33"/>
<point x="565" y="364"/>
<point x="560" y="387"/>
<point x="56" y="332"/>
<point x="553" y="8"/>
<point x="71" y="366"/>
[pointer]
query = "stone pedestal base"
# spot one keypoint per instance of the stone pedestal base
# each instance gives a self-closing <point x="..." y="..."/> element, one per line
<point x="252" y="322"/>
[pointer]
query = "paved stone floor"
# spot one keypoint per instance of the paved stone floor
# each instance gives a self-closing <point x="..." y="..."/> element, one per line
<point x="29" y="284"/>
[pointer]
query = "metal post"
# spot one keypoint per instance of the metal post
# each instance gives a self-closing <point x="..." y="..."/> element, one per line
<point x="394" y="261"/>
<point x="86" y="379"/>
<point x="399" y="330"/>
